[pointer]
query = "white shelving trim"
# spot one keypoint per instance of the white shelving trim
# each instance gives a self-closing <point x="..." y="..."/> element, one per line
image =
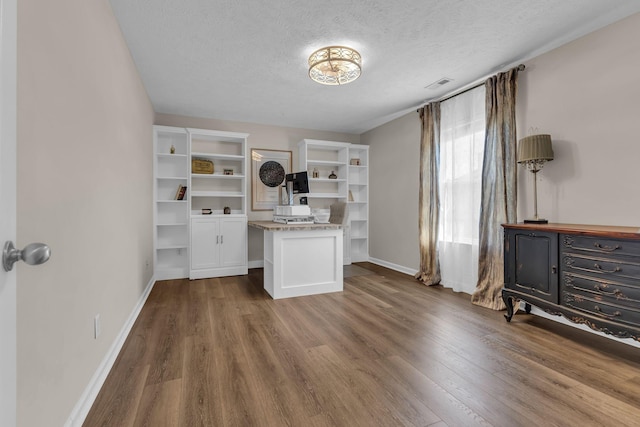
<point x="312" y="162"/>
<point x="171" y="247"/>
<point x="216" y="176"/>
<point x="216" y="194"/>
<point x="326" y="196"/>
<point x="169" y="155"/>
<point x="327" y="180"/>
<point x="218" y="156"/>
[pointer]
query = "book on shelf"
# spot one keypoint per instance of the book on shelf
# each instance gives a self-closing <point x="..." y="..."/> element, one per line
<point x="182" y="190"/>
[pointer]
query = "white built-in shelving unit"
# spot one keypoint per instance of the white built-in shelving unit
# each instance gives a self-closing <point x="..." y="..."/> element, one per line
<point x="358" y="198"/>
<point x="170" y="216"/>
<point x="187" y="242"/>
<point x="351" y="185"/>
<point x="218" y="241"/>
<point x="326" y="157"/>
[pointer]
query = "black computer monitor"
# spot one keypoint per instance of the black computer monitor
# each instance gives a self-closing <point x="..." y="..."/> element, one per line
<point x="300" y="182"/>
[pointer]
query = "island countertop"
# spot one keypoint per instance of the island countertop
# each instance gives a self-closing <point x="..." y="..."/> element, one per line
<point x="276" y="226"/>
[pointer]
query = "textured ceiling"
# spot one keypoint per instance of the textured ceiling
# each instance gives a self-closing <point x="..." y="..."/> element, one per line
<point x="246" y="60"/>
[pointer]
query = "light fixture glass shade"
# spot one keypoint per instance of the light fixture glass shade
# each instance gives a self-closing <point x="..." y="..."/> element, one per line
<point x="535" y="149"/>
<point x="335" y="65"/>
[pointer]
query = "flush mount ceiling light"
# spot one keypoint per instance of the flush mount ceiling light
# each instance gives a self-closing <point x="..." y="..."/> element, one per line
<point x="335" y="65"/>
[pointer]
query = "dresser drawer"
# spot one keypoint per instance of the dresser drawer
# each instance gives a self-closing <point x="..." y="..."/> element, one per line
<point x="602" y="289"/>
<point x="603" y="246"/>
<point x="604" y="310"/>
<point x="625" y="270"/>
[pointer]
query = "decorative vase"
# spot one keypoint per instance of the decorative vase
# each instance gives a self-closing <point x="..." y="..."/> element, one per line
<point x="172" y="150"/>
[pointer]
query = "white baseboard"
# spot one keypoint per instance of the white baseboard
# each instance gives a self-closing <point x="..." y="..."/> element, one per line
<point x="256" y="264"/>
<point x="392" y="266"/>
<point x="81" y="410"/>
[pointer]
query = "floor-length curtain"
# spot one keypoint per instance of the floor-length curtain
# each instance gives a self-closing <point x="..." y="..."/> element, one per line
<point x="462" y="124"/>
<point x="429" y="203"/>
<point x="498" y="200"/>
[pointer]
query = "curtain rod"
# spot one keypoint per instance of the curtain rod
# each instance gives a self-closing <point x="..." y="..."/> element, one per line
<point x="520" y="67"/>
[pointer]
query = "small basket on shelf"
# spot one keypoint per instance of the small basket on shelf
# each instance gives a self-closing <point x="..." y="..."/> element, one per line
<point x="201" y="166"/>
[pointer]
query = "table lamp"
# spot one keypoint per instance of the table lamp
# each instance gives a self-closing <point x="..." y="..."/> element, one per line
<point x="533" y="152"/>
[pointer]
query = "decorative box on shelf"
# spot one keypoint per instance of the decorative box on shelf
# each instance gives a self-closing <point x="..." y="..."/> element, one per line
<point x="201" y="166"/>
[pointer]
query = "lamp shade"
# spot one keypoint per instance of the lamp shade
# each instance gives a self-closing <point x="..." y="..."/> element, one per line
<point x="535" y="148"/>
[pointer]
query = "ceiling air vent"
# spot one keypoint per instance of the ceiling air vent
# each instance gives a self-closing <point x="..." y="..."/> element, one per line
<point x="443" y="81"/>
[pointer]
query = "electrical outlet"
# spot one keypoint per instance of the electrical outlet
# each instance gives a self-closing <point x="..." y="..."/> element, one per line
<point x="97" y="327"/>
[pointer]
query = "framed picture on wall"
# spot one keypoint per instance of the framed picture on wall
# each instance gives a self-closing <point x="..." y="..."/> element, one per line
<point x="268" y="170"/>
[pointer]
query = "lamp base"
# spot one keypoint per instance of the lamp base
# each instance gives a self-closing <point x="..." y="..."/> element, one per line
<point x="536" y="221"/>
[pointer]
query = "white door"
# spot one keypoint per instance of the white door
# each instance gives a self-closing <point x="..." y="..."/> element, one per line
<point x="233" y="235"/>
<point x="205" y="243"/>
<point x="7" y="209"/>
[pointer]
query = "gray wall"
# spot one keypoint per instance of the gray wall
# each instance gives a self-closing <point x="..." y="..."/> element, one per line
<point x="585" y="94"/>
<point x="394" y="177"/>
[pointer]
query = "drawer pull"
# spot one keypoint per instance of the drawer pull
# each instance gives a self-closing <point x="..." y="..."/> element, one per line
<point x="616" y="292"/>
<point x="615" y="313"/>
<point x="569" y="243"/>
<point x="606" y="248"/>
<point x="599" y="268"/>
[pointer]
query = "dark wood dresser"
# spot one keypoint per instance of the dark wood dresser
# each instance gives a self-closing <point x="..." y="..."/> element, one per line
<point x="589" y="274"/>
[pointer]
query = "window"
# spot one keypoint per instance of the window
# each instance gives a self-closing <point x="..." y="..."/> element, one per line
<point x="462" y="133"/>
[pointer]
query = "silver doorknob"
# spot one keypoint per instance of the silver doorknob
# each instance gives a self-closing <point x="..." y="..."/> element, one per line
<point x="32" y="254"/>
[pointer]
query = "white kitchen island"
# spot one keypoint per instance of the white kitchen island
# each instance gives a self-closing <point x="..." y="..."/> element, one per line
<point x="301" y="259"/>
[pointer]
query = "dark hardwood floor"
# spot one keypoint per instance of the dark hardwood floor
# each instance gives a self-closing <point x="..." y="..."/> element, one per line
<point x="385" y="352"/>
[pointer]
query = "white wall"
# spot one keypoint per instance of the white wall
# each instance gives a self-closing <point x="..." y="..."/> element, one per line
<point x="84" y="188"/>
<point x="586" y="95"/>
<point x="260" y="136"/>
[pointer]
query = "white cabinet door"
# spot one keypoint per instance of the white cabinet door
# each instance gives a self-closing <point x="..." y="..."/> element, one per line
<point x="205" y="243"/>
<point x="218" y="246"/>
<point x="234" y="241"/>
